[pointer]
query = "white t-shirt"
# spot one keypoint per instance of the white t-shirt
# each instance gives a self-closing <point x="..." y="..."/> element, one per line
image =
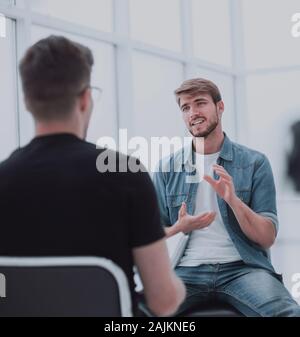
<point x="212" y="244"/>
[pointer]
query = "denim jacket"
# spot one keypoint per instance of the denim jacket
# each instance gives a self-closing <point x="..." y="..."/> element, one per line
<point x="254" y="185"/>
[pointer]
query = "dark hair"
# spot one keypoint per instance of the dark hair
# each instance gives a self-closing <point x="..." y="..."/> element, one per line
<point x="293" y="167"/>
<point x="196" y="86"/>
<point x="54" y="72"/>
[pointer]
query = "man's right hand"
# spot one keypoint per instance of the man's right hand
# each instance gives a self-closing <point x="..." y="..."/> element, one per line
<point x="187" y="223"/>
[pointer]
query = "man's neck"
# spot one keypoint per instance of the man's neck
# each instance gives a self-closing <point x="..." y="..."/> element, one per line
<point x="46" y="129"/>
<point x="209" y="145"/>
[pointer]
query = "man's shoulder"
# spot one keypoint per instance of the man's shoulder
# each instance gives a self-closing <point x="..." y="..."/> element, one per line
<point x="7" y="164"/>
<point x="247" y="155"/>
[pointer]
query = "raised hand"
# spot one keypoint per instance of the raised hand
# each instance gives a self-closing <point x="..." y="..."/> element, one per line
<point x="224" y="185"/>
<point x="187" y="223"/>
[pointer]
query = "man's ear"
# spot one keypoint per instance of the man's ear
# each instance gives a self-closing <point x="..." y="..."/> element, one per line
<point x="221" y="107"/>
<point x="84" y="101"/>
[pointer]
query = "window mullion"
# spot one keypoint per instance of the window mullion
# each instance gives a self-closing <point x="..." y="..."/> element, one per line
<point x="124" y="69"/>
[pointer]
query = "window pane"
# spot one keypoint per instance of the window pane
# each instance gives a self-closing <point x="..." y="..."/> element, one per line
<point x="8" y="93"/>
<point x="104" y="117"/>
<point x="7" y="2"/>
<point x="155" y="110"/>
<point x="156" y="113"/>
<point x="211" y="31"/>
<point x="226" y="87"/>
<point x="92" y="13"/>
<point x="268" y="38"/>
<point x="156" y="22"/>
<point x="273" y="104"/>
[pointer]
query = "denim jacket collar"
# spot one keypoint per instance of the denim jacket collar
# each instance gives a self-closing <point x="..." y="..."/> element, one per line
<point x="226" y="152"/>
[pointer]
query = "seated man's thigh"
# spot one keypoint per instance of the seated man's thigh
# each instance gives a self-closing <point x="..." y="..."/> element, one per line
<point x="256" y="292"/>
<point x="195" y="296"/>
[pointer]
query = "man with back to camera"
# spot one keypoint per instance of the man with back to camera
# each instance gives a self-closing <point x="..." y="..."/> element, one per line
<point x="230" y="214"/>
<point x="54" y="202"/>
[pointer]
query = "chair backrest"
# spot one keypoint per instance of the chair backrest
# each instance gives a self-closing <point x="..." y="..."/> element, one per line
<point x="63" y="287"/>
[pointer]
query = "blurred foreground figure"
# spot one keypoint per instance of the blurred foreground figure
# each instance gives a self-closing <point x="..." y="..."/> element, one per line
<point x="293" y="167"/>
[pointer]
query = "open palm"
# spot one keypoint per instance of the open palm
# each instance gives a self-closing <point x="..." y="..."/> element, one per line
<point x="187" y="223"/>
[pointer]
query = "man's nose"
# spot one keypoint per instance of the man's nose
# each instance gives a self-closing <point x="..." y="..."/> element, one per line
<point x="194" y="111"/>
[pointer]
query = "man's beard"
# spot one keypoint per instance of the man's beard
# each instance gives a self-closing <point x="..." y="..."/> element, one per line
<point x="205" y="133"/>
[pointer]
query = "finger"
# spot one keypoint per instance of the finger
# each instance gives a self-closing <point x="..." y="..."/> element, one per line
<point x="218" y="166"/>
<point x="206" y="223"/>
<point x="216" y="169"/>
<point x="182" y="211"/>
<point x="210" y="180"/>
<point x="221" y="168"/>
<point x="210" y="217"/>
<point x="213" y="216"/>
<point x="224" y="181"/>
<point x="201" y="215"/>
<point x="223" y="175"/>
<point x="205" y="216"/>
<point x="202" y="220"/>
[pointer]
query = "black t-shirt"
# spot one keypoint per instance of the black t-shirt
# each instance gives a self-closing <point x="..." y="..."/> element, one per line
<point x="54" y="202"/>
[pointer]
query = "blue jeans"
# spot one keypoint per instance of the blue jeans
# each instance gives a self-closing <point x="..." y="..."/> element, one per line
<point x="252" y="291"/>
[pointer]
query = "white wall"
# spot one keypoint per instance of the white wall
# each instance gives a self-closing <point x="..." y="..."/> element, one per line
<point x="273" y="104"/>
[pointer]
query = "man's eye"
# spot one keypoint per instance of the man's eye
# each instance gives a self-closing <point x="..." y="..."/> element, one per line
<point x="185" y="109"/>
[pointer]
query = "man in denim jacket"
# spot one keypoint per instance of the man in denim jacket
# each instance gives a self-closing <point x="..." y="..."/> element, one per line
<point x="223" y="195"/>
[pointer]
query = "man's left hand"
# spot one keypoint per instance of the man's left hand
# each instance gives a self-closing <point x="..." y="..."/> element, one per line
<point x="224" y="185"/>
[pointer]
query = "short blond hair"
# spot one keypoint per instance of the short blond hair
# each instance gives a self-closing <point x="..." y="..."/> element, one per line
<point x="196" y="86"/>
